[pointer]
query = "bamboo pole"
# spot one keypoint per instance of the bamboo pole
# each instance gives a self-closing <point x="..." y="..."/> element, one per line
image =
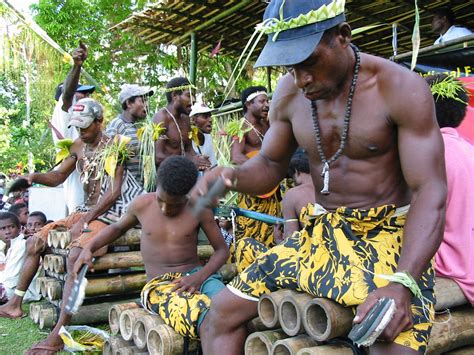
<point x="44" y="286"/>
<point x="127" y="319"/>
<point x="326" y="350"/>
<point x="114" y="315"/>
<point x="132" y="237"/>
<point x="268" y="307"/>
<point x="290" y="313"/>
<point x="120" y="284"/>
<point x="325" y="319"/>
<point x="448" y="334"/>
<point x="64" y="240"/>
<point x="465" y="350"/>
<point x="130" y="350"/>
<point x="88" y="314"/>
<point x="48" y="317"/>
<point x="261" y="343"/>
<point x="291" y="346"/>
<point x="47" y="262"/>
<point x="141" y="328"/>
<point x="448" y="294"/>
<point x="228" y="272"/>
<point x="113" y="343"/>
<point x="163" y="340"/>
<point x="256" y="325"/>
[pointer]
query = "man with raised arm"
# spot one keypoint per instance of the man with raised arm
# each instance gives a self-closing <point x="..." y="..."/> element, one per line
<point x="376" y="159"/>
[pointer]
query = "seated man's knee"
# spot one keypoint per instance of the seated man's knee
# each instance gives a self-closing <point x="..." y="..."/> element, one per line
<point x="35" y="246"/>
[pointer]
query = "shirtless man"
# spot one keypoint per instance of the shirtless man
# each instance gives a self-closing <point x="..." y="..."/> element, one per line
<point x="178" y="285"/>
<point x="255" y="106"/>
<point x="389" y="171"/>
<point x="175" y="118"/>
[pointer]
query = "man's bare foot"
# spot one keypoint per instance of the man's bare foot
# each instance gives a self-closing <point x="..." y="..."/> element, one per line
<point x="11" y="310"/>
<point x="51" y="345"/>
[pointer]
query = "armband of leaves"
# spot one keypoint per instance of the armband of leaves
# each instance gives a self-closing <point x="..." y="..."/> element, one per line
<point x="237" y="128"/>
<point x="64" y="146"/>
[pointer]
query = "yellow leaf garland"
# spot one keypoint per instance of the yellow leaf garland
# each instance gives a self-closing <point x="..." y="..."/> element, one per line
<point x="64" y="146"/>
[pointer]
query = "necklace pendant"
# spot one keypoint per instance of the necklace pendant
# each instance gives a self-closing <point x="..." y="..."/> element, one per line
<point x="325" y="175"/>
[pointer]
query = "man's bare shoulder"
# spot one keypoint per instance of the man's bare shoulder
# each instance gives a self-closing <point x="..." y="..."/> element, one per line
<point x="161" y="116"/>
<point x="77" y="146"/>
<point x="283" y="98"/>
<point x="143" y="201"/>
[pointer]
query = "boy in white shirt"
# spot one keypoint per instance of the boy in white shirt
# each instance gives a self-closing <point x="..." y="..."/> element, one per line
<point x="201" y="117"/>
<point x="14" y="257"/>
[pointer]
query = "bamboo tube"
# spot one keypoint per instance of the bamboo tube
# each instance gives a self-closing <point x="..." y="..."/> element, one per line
<point x="457" y="332"/>
<point x="163" y="340"/>
<point x="132" y="237"/>
<point x="40" y="281"/>
<point x="141" y="328"/>
<point x="64" y="239"/>
<point x="114" y="315"/>
<point x="34" y="312"/>
<point x="465" y="350"/>
<point x="268" y="307"/>
<point x="120" y="284"/>
<point x="47" y="317"/>
<point x="55" y="239"/>
<point x="54" y="289"/>
<point x="290" y="312"/>
<point x="59" y="266"/>
<point x="114" y="343"/>
<point x="47" y="261"/>
<point x="325" y="319"/>
<point x="44" y="286"/>
<point x="118" y="260"/>
<point x="261" y="343"/>
<point x="448" y="294"/>
<point x="291" y="346"/>
<point x="228" y="271"/>
<point x="49" y="240"/>
<point x="130" y="350"/>
<point x="326" y="350"/>
<point x="88" y="314"/>
<point x="255" y="325"/>
<point x="128" y="318"/>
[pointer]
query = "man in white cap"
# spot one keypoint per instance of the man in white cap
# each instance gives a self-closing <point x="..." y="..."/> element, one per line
<point x="133" y="98"/>
<point x="105" y="200"/>
<point x="67" y="94"/>
<point x="201" y="117"/>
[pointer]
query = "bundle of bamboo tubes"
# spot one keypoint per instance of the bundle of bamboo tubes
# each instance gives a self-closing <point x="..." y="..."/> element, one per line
<point x="136" y="329"/>
<point x="298" y="323"/>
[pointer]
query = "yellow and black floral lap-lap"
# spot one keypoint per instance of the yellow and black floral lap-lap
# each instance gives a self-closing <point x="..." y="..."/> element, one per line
<point x="250" y="228"/>
<point x="183" y="312"/>
<point x="336" y="256"/>
<point x="247" y="250"/>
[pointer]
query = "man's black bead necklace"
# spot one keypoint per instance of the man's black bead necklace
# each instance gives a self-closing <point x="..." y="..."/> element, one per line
<point x="345" y="131"/>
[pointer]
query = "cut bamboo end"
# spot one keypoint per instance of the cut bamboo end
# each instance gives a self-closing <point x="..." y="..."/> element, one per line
<point x="34" y="312"/>
<point x="163" y="340"/>
<point x="141" y="328"/>
<point x="324" y="319"/>
<point x="46" y="262"/>
<point x="54" y="289"/>
<point x="64" y="239"/>
<point x="114" y="343"/>
<point x="114" y="315"/>
<point x="58" y="265"/>
<point x="261" y="343"/>
<point x="291" y="346"/>
<point x="130" y="350"/>
<point x="290" y="313"/>
<point x="268" y="307"/>
<point x="326" y="350"/>
<point x="47" y="317"/>
<point x="127" y="320"/>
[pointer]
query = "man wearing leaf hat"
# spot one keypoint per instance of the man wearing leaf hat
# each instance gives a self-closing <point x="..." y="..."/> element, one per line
<point x="105" y="198"/>
<point x="380" y="184"/>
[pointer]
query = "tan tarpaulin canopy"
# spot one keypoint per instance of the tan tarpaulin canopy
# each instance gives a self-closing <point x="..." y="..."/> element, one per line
<point x="233" y="21"/>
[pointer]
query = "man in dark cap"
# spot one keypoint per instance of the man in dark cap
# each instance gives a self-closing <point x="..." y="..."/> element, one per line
<point x="380" y="183"/>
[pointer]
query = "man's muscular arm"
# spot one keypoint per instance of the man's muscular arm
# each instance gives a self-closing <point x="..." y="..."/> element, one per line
<point x="237" y="149"/>
<point x="421" y="153"/>
<point x="72" y="79"/>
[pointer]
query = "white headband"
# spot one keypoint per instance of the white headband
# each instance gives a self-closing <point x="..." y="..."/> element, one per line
<point x="254" y="95"/>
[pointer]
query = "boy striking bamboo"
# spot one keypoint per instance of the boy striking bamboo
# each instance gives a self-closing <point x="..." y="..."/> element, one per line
<point x="179" y="289"/>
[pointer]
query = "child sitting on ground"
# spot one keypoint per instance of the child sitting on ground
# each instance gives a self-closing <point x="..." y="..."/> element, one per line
<point x="14" y="257"/>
